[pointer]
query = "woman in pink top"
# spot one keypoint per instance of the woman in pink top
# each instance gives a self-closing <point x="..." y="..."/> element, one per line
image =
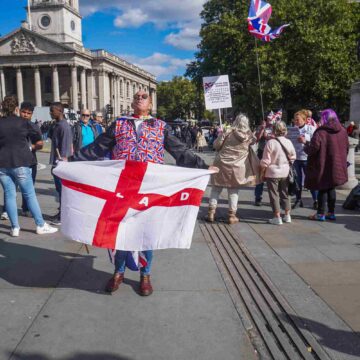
<point x="276" y="165"/>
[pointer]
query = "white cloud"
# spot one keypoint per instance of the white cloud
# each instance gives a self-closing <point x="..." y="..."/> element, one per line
<point x="185" y="39"/>
<point x="182" y="16"/>
<point x="131" y="18"/>
<point x="161" y="65"/>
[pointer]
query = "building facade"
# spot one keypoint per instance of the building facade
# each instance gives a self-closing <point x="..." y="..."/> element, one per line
<point x="45" y="61"/>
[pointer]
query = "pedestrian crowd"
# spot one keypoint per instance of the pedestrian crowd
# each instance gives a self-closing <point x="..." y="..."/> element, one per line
<point x="314" y="158"/>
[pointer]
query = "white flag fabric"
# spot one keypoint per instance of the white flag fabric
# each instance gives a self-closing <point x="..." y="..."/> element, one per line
<point x="130" y="205"/>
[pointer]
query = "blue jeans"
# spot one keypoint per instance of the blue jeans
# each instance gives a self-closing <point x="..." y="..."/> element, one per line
<point x="21" y="176"/>
<point x="33" y="176"/>
<point x="120" y="264"/>
<point x="300" y="166"/>
<point x="259" y="189"/>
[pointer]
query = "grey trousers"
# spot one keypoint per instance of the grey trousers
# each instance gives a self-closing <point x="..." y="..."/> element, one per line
<point x="278" y="192"/>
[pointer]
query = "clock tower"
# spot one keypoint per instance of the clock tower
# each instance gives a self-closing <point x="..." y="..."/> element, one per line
<point x="58" y="20"/>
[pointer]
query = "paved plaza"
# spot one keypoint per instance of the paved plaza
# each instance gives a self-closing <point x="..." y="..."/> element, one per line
<point x="52" y="304"/>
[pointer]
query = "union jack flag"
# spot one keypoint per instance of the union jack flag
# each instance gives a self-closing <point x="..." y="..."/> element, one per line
<point x="134" y="261"/>
<point x="275" y="117"/>
<point x="259" y="15"/>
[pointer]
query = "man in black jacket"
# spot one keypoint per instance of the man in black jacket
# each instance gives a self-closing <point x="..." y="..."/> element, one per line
<point x="84" y="132"/>
<point x="61" y="146"/>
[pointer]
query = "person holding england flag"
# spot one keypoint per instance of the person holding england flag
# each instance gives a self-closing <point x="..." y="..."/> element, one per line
<point x="140" y="137"/>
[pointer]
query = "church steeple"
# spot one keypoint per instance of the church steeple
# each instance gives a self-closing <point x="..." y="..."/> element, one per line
<point x="59" y="20"/>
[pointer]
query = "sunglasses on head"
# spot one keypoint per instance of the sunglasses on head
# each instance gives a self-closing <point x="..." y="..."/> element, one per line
<point x="143" y="96"/>
<point x="86" y="115"/>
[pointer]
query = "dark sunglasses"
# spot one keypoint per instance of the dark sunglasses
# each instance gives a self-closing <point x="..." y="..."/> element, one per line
<point x="143" y="96"/>
<point x="86" y="115"/>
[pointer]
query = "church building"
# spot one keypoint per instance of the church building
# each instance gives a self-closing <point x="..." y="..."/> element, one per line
<point x="45" y="61"/>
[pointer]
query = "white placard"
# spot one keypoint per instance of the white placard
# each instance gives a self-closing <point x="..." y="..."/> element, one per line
<point x="293" y="133"/>
<point x="217" y="92"/>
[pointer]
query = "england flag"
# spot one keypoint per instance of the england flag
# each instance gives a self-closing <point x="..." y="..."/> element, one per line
<point x="130" y="205"/>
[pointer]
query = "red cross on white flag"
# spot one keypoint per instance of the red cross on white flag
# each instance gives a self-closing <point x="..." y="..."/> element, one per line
<point x="130" y="205"/>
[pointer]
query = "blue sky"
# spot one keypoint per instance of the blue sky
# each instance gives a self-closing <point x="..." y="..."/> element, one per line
<point x="158" y="35"/>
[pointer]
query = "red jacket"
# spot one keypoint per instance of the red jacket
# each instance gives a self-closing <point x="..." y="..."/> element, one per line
<point x="327" y="157"/>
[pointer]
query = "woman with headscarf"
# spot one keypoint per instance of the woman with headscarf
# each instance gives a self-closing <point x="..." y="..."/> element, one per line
<point x="238" y="165"/>
<point x="327" y="163"/>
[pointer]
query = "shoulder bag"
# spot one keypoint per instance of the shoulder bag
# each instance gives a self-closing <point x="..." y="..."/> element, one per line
<point x="293" y="186"/>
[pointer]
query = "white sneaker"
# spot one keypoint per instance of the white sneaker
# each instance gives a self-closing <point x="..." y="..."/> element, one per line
<point x="276" y="221"/>
<point x="14" y="232"/>
<point x="46" y="229"/>
<point x="4" y="216"/>
<point x="287" y="219"/>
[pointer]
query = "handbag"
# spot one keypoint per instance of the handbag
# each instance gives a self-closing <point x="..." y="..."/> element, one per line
<point x="293" y="186"/>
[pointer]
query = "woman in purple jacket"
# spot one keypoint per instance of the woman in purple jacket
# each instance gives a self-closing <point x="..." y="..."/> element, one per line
<point x="327" y="163"/>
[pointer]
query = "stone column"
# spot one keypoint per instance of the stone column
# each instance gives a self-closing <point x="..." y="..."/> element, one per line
<point x="117" y="96"/>
<point x="74" y="86"/>
<point x="37" y="83"/>
<point x="352" y="180"/>
<point x="153" y="99"/>
<point x="83" y="89"/>
<point x="355" y="103"/>
<point x="111" y="78"/>
<point x="19" y="85"/>
<point x="3" y="85"/>
<point x="55" y="84"/>
<point x="121" y="86"/>
<point x="90" y="91"/>
<point x="101" y="75"/>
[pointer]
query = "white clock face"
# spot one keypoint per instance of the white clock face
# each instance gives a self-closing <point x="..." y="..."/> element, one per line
<point x="45" y="21"/>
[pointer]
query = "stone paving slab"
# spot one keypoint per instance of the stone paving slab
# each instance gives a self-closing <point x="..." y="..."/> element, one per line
<point x="64" y="314"/>
<point x="344" y="299"/>
<point x="330" y="273"/>
<point x="170" y="325"/>
<point x="18" y="309"/>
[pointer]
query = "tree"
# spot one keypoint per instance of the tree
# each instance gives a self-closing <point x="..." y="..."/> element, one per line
<point x="176" y="98"/>
<point x="312" y="65"/>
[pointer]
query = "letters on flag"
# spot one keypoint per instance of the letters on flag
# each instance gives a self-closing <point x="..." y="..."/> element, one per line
<point x="259" y="15"/>
<point x="129" y="205"/>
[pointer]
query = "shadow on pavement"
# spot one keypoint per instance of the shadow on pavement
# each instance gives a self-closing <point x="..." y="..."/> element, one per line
<point x="34" y="267"/>
<point x="346" y="342"/>
<point x="79" y="356"/>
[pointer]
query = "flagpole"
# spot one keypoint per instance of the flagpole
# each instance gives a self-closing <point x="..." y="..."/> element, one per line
<point x="29" y="14"/>
<point x="259" y="76"/>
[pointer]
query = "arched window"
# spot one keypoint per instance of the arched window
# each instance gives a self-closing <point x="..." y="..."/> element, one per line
<point x="121" y="88"/>
<point x="134" y="89"/>
<point x="127" y="90"/>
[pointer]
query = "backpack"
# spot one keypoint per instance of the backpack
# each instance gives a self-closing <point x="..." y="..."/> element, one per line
<point x="352" y="202"/>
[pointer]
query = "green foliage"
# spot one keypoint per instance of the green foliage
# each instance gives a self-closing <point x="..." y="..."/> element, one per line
<point x="177" y="98"/>
<point x="312" y="64"/>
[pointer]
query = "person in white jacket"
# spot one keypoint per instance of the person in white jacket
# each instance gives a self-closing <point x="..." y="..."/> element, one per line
<point x="275" y="162"/>
<point x="306" y="133"/>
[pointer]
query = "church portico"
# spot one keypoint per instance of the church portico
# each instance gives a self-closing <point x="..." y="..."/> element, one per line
<point x="42" y="69"/>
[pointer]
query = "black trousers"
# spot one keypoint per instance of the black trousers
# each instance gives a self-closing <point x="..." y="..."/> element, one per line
<point x="329" y="196"/>
<point x="33" y="168"/>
